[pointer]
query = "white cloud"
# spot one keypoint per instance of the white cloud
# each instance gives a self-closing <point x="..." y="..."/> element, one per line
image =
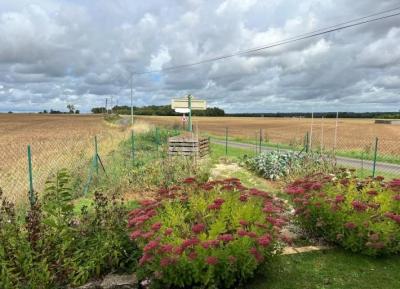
<point x="54" y="52"/>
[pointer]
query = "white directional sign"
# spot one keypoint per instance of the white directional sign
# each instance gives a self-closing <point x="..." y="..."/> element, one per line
<point x="196" y="104"/>
<point x="182" y="110"/>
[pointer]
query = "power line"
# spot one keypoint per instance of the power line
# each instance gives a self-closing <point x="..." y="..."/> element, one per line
<point x="319" y="32"/>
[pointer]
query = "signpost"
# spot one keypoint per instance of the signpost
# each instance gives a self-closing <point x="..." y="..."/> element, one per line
<point x="186" y="105"/>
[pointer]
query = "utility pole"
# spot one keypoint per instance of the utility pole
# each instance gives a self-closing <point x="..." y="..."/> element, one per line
<point x="106" y="106"/>
<point x="111" y="104"/>
<point x="131" y="99"/>
<point x="336" y="127"/>
<point x="190" y="111"/>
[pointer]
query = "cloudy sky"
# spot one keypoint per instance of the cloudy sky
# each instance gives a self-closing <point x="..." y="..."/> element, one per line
<point x="82" y="51"/>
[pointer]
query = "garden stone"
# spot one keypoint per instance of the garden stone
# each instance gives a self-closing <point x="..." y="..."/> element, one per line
<point x="113" y="281"/>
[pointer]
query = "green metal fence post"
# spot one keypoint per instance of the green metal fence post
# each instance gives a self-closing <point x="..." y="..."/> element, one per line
<point x="157" y="138"/>
<point x="255" y="144"/>
<point x="133" y="148"/>
<point x="96" y="155"/>
<point x="375" y="155"/>
<point x="226" y="141"/>
<point x="307" y="142"/>
<point x="362" y="164"/>
<point x="31" y="192"/>
<point x="190" y="112"/>
<point x="260" y="139"/>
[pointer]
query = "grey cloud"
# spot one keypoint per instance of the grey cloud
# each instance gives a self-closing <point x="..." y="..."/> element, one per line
<point x="55" y="52"/>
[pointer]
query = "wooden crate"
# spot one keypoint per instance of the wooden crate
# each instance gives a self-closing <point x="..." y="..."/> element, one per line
<point x="188" y="146"/>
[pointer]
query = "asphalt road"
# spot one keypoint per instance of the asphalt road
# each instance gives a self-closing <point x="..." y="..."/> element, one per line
<point x="343" y="161"/>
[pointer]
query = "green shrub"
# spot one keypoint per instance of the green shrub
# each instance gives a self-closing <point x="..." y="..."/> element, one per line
<point x="359" y="215"/>
<point x="213" y="235"/>
<point x="275" y="165"/>
<point x="54" y="246"/>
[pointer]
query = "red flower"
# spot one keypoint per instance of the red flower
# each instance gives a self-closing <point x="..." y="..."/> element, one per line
<point x="339" y="199"/>
<point x="198" y="228"/>
<point x="210" y="244"/>
<point x="192" y="255"/>
<point x="189" y="180"/>
<point x="396" y="197"/>
<point x="136" y="234"/>
<point x="211" y="260"/>
<point x="393" y="216"/>
<point x="243" y="197"/>
<point x="167" y="248"/>
<point x="190" y="242"/>
<point x="148" y="235"/>
<point x="264" y="241"/>
<point x="225" y="238"/>
<point x="350" y="225"/>
<point x="219" y="201"/>
<point x="270" y="208"/>
<point x="251" y="234"/>
<point x="214" y="207"/>
<point x="372" y="193"/>
<point x="156" y="226"/>
<point x="259" y="257"/>
<point x="145" y="258"/>
<point x="359" y="206"/>
<point x="243" y="223"/>
<point x="146" y="203"/>
<point x="150" y="246"/>
<point x="164" y="262"/>
<point x="168" y="231"/>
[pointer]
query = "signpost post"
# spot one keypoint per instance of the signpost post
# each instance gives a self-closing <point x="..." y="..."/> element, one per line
<point x="186" y="105"/>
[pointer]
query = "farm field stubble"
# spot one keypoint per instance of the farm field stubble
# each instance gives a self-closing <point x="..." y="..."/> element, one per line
<point x="57" y="141"/>
<point x="352" y="134"/>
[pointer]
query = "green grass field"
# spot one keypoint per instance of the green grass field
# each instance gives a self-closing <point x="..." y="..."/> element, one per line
<point x="330" y="269"/>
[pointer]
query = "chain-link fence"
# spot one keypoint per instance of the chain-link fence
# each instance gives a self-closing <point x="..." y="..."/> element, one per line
<point x="24" y="166"/>
<point x="371" y="155"/>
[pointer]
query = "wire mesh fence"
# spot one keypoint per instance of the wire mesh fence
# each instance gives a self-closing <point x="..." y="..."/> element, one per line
<point x="47" y="156"/>
<point x="370" y="155"/>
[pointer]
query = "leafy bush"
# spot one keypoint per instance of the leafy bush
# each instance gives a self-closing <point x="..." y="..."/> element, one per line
<point x="55" y="246"/>
<point x="213" y="235"/>
<point x="274" y="165"/>
<point x="360" y="215"/>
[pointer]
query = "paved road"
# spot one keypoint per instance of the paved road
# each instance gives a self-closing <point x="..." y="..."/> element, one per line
<point x="343" y="161"/>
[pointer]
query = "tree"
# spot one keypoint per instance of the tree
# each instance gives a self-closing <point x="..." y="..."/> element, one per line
<point x="77" y="111"/>
<point x="71" y="108"/>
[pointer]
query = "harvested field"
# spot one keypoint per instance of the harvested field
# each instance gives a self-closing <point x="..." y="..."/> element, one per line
<point x="57" y="141"/>
<point x="352" y="134"/>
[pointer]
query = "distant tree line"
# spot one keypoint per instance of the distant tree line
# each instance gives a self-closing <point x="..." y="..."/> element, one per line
<point x="71" y="110"/>
<point x="383" y="115"/>
<point x="162" y="110"/>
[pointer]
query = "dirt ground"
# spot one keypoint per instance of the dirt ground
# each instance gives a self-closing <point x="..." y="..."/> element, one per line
<point x="57" y="141"/>
<point x="351" y="134"/>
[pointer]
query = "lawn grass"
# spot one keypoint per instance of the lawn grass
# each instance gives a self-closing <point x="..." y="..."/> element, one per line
<point x="234" y="154"/>
<point x="330" y="269"/>
<point x="356" y="154"/>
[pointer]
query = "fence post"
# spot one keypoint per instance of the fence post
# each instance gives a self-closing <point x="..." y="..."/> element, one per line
<point x="375" y="155"/>
<point x="226" y="141"/>
<point x="96" y="155"/>
<point x="255" y="144"/>
<point x="260" y="139"/>
<point x="157" y="138"/>
<point x="133" y="148"/>
<point x="31" y="193"/>
<point x="362" y="164"/>
<point x="307" y="142"/>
